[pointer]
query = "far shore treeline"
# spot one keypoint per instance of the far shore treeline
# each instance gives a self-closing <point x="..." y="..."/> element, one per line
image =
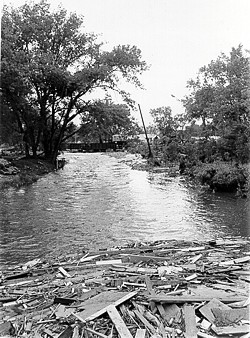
<point x="49" y="65"/>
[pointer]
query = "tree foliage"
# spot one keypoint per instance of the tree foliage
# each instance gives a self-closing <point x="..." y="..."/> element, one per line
<point x="49" y="64"/>
<point x="169" y="130"/>
<point x="220" y="98"/>
<point x="103" y="119"/>
<point x="163" y="120"/>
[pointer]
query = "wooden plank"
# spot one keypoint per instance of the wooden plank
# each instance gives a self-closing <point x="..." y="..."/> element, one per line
<point x="236" y="261"/>
<point x="198" y="248"/>
<point x="195" y="258"/>
<point x="97" y="306"/>
<point x="204" y="335"/>
<point x="75" y="333"/>
<point x="142" y="258"/>
<point x="151" y="291"/>
<point x="118" y="322"/>
<point x="149" y="285"/>
<point x="206" y="310"/>
<point x="67" y="333"/>
<point x="145" y="322"/>
<point x="88" y="294"/>
<point x="95" y="332"/>
<point x="191" y="277"/>
<point x="140" y="333"/>
<point x="64" y="272"/>
<point x="190" y="321"/>
<point x="227" y="317"/>
<point x="227" y="330"/>
<point x="172" y="311"/>
<point x="190" y="299"/>
<point x="161" y="311"/>
<point x="109" y="262"/>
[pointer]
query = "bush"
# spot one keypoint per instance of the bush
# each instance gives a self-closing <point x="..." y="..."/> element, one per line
<point x="222" y="176"/>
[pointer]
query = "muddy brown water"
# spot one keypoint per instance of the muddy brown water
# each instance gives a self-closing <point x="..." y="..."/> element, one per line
<point x="98" y="201"/>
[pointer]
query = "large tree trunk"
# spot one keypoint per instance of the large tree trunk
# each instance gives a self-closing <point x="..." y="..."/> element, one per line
<point x="26" y="147"/>
<point x="34" y="151"/>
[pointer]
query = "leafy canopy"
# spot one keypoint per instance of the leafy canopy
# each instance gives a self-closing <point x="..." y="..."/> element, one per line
<point x="49" y="64"/>
<point x="220" y="98"/>
<point x="103" y="119"/>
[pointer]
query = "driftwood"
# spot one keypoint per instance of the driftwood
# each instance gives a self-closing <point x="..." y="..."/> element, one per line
<point x="162" y="289"/>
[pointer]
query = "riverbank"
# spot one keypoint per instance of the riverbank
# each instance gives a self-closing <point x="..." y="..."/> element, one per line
<point x="160" y="289"/>
<point x="17" y="171"/>
<point x="217" y="176"/>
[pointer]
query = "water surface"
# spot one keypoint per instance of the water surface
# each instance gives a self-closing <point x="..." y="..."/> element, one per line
<point x="98" y="201"/>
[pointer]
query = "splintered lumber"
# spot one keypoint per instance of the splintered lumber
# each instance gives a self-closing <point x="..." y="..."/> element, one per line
<point x="64" y="272"/>
<point x="118" y="322"/>
<point x="97" y="306"/>
<point x="204" y="335"/>
<point x="191" y="299"/>
<point x="140" y="333"/>
<point x="145" y="322"/>
<point x="236" y="261"/>
<point x="67" y="333"/>
<point x="190" y="321"/>
<point x="76" y="332"/>
<point x="149" y="285"/>
<point x="142" y="258"/>
<point x="6" y="329"/>
<point x="228" y="330"/>
<point x="109" y="262"/>
<point x="100" y="281"/>
<point x="206" y="310"/>
<point x="227" y="317"/>
<point x="172" y="311"/>
<point x="191" y="277"/>
<point x="194" y="248"/>
<point x="161" y="311"/>
<point x="62" y="312"/>
<point x="95" y="332"/>
<point x="195" y="258"/>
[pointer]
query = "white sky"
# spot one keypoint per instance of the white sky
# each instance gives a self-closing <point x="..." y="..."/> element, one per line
<point x="176" y="38"/>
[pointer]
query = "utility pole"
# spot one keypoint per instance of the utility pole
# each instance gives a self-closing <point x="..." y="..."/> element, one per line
<point x="150" y="154"/>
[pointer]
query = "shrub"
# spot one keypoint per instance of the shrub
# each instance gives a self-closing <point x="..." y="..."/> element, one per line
<point x="223" y="176"/>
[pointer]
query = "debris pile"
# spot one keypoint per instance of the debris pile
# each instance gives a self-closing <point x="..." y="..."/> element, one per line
<point x="6" y="168"/>
<point x="153" y="289"/>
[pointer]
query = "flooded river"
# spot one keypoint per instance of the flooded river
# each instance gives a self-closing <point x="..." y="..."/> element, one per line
<point x="98" y="201"/>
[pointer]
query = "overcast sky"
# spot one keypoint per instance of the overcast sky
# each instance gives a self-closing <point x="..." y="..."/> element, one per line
<point x="176" y="38"/>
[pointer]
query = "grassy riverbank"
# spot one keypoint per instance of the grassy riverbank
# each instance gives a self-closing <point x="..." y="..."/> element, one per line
<point x="28" y="171"/>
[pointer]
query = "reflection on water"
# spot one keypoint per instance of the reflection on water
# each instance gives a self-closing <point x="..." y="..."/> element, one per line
<point x="97" y="201"/>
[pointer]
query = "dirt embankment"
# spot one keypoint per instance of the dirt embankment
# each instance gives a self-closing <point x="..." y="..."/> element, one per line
<point x="16" y="172"/>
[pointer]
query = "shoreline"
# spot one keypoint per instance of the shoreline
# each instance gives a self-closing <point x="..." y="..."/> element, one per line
<point x="30" y="170"/>
<point x="27" y="171"/>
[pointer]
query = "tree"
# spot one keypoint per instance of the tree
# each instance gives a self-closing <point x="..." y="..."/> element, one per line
<point x="49" y="65"/>
<point x="220" y="98"/>
<point x="170" y="133"/>
<point x="103" y="119"/>
<point x="163" y="120"/>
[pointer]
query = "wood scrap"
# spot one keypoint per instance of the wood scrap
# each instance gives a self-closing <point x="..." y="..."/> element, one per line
<point x="118" y="322"/>
<point x="190" y="321"/>
<point x="229" y="330"/>
<point x="149" y="289"/>
<point x="228" y="317"/>
<point x="207" y="312"/>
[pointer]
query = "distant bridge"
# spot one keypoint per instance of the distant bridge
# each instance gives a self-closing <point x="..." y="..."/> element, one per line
<point x="96" y="147"/>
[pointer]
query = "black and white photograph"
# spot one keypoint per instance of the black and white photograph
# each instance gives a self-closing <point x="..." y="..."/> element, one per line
<point x="124" y="169"/>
